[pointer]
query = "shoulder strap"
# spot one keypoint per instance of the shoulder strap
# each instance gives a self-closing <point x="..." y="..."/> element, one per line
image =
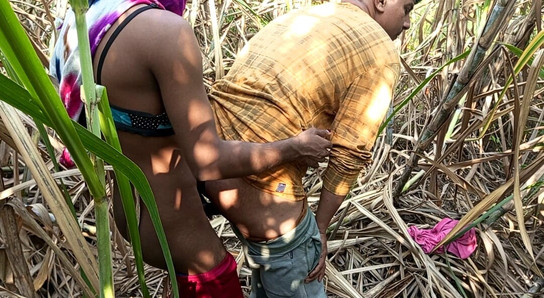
<point x="114" y="36"/>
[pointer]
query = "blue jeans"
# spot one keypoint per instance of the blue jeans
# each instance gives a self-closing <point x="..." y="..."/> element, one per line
<point x="279" y="266"/>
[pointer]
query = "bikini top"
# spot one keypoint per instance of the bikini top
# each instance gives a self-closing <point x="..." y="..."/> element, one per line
<point x="141" y="123"/>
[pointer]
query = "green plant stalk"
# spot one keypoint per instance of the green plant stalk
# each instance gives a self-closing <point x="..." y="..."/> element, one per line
<point x="20" y="98"/>
<point x="455" y="278"/>
<point x="480" y="219"/>
<point x="41" y="129"/>
<point x="494" y="23"/>
<point x="110" y="134"/>
<point x="105" y="268"/>
<point x="495" y="212"/>
<point x="80" y="8"/>
<point x="45" y="138"/>
<point x="455" y="118"/>
<point x="123" y="185"/>
<point x="413" y="180"/>
<point x="34" y="78"/>
<point x="524" y="59"/>
<point x="17" y="48"/>
<point x="419" y="88"/>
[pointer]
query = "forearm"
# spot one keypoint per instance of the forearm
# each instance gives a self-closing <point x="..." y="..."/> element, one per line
<point x="225" y="159"/>
<point x="328" y="205"/>
<point x="243" y="159"/>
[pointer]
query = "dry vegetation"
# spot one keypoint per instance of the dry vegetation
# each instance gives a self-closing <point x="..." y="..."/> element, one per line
<point x="477" y="157"/>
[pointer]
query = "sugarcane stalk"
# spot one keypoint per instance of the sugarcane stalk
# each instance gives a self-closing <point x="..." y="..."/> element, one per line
<point x="80" y="8"/>
<point x="19" y="51"/>
<point x="14" y="251"/>
<point x="127" y="199"/>
<point x="495" y="22"/>
<point x="41" y="130"/>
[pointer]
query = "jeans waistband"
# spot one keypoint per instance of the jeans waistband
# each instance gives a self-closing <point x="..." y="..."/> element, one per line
<point x="284" y="243"/>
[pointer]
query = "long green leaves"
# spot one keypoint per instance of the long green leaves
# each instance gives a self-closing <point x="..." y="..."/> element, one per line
<point x="19" y="52"/>
<point x="41" y="101"/>
<point x="419" y="88"/>
<point x="524" y="59"/>
<point x="101" y="206"/>
<point x="123" y="184"/>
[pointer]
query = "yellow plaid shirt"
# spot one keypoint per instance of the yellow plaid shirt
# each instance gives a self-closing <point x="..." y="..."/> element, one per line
<point x="328" y="66"/>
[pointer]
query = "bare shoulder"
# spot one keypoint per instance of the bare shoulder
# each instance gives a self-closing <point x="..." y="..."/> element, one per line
<point x="162" y="23"/>
<point x="160" y="35"/>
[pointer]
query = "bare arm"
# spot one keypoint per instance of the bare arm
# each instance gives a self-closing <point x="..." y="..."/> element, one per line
<point x="175" y="62"/>
<point x="328" y="205"/>
<point x="355" y="128"/>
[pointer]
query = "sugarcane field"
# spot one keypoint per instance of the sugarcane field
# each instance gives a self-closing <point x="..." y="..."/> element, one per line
<point x="449" y="201"/>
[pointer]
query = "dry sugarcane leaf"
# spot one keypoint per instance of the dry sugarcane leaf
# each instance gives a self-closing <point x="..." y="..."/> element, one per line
<point x="334" y="276"/>
<point x="489" y="200"/>
<point x="51" y="193"/>
<point x="478" y="275"/>
<point x="527" y="96"/>
<point x="431" y="269"/>
<point x="384" y="226"/>
<point x="455" y="178"/>
<point x="396" y="288"/>
<point x="384" y="284"/>
<point x="45" y="269"/>
<point x="499" y="247"/>
<point x="7" y="293"/>
<point x="14" y="250"/>
<point x="40" y="213"/>
<point x="36" y="229"/>
<point x="488" y="246"/>
<point x="526" y="259"/>
<point x="64" y="174"/>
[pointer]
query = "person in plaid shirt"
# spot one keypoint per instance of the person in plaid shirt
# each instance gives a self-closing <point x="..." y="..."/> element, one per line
<point x="331" y="66"/>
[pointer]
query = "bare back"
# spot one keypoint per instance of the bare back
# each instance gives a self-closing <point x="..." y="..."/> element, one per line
<point x="134" y="86"/>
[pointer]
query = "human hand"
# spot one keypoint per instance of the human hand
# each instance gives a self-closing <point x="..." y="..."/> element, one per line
<point x="319" y="270"/>
<point x="313" y="146"/>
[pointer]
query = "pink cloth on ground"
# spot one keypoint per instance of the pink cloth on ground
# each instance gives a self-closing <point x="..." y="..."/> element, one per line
<point x="462" y="247"/>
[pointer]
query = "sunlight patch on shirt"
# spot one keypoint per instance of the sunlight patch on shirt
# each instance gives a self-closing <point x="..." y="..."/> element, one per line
<point x="301" y="25"/>
<point x="379" y="104"/>
<point x="244" y="51"/>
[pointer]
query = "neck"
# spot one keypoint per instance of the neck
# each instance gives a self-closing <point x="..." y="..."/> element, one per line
<point x="359" y="3"/>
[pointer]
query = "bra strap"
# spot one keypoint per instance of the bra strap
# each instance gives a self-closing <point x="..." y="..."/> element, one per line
<point x="114" y="36"/>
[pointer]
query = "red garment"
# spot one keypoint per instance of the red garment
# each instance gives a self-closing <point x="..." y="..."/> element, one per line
<point x="221" y="281"/>
<point x="462" y="247"/>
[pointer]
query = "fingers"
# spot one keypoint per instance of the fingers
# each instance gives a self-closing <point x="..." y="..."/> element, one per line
<point x="322" y="272"/>
<point x="314" y="163"/>
<point x="324" y="133"/>
<point x="318" y="272"/>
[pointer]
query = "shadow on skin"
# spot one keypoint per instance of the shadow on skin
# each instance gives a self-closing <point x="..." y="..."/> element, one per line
<point x="259" y="216"/>
<point x="193" y="243"/>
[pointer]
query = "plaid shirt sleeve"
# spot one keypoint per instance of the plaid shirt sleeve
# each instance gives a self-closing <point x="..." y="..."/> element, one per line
<point x="356" y="124"/>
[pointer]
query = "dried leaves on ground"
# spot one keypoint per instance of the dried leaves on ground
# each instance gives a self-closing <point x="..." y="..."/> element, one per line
<point x="488" y="147"/>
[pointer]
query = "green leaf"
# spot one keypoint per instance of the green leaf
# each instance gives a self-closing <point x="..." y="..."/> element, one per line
<point x="519" y="52"/>
<point x="524" y="59"/>
<point x="15" y="95"/>
<point x="419" y="88"/>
